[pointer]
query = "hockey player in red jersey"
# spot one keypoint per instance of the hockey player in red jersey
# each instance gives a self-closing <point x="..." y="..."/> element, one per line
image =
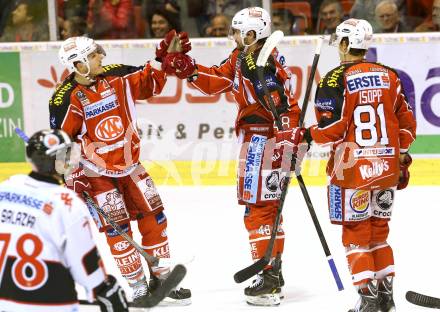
<point x="363" y="113"/>
<point x="46" y="243"/>
<point x="259" y="173"/>
<point x="95" y="106"/>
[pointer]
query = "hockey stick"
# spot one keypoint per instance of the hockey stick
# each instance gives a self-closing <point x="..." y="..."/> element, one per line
<point x="152" y="300"/>
<point x="168" y="284"/>
<point x="172" y="280"/>
<point x="259" y="265"/>
<point x="163" y="262"/>
<point x="423" y="300"/>
<point x="153" y="261"/>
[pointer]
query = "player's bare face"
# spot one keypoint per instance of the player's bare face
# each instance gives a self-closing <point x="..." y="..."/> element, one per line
<point x="235" y="34"/>
<point x="95" y="63"/>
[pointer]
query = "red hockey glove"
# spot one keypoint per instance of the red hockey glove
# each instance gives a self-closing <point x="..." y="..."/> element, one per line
<point x="161" y="49"/>
<point x="291" y="137"/>
<point x="405" y="162"/>
<point x="179" y="64"/>
<point x="184" y="42"/>
<point x="290" y="142"/>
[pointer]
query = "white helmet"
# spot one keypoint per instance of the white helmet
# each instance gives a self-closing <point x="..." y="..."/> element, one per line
<point x="359" y="33"/>
<point x="254" y="18"/>
<point x="76" y="49"/>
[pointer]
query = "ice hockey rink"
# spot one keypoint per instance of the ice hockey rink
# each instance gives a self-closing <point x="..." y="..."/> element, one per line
<point x="205" y="222"/>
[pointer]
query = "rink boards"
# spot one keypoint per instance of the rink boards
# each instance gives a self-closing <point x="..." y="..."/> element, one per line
<point x="424" y="171"/>
<point x="188" y="138"/>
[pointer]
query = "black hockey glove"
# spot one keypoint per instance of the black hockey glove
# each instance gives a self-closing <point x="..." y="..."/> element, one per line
<point x="111" y="296"/>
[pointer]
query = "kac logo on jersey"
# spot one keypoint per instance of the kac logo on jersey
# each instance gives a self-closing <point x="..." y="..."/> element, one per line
<point x="121" y="246"/>
<point x="109" y="128"/>
<point x="360" y="201"/>
<point x="368" y="81"/>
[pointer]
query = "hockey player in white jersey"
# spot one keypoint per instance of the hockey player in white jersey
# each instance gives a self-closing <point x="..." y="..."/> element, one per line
<point x="46" y="244"/>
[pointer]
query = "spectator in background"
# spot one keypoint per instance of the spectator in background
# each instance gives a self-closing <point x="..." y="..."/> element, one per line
<point x="162" y="21"/>
<point x="26" y="23"/>
<point x="418" y="12"/>
<point x="331" y="15"/>
<point x="432" y="24"/>
<point x="366" y="9"/>
<point x="219" y="27"/>
<point x="70" y="8"/>
<point x="75" y="26"/>
<point x="7" y="7"/>
<point x="111" y="19"/>
<point x="204" y="10"/>
<point x="388" y="18"/>
<point x="283" y="20"/>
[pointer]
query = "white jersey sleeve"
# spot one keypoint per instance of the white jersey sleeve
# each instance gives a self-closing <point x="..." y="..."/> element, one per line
<point x="79" y="249"/>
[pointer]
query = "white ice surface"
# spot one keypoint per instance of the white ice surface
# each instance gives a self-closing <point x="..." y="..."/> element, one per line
<point x="207" y="223"/>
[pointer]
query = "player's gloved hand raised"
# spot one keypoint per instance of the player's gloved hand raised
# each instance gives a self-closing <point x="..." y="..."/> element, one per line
<point x="179" y="64"/>
<point x="173" y="42"/>
<point x="110" y="296"/>
<point x="184" y="42"/>
<point x="405" y="161"/>
<point x="162" y="48"/>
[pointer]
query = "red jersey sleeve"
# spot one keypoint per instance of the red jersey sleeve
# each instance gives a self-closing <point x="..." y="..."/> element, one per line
<point x="215" y="79"/>
<point x="144" y="81"/>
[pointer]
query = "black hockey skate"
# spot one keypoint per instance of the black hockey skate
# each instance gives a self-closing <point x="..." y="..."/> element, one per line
<point x="140" y="293"/>
<point x="265" y="289"/>
<point x="368" y="300"/>
<point x="276" y="268"/>
<point x="179" y="297"/>
<point x="385" y="295"/>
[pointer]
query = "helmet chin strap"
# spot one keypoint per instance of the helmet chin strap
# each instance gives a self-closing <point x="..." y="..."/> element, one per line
<point x="87" y="74"/>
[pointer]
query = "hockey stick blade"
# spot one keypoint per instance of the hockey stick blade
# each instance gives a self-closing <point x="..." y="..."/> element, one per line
<point x="270" y="44"/>
<point x="423" y="300"/>
<point x="171" y="282"/>
<point x="248" y="272"/>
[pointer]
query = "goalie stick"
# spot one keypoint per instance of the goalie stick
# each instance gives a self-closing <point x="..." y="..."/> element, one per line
<point x="152" y="300"/>
<point x="246" y="273"/>
<point x="423" y="300"/>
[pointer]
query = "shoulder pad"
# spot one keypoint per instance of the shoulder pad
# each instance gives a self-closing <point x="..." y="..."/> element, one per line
<point x="333" y="77"/>
<point x="119" y="70"/>
<point x="62" y="92"/>
<point x="387" y="67"/>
